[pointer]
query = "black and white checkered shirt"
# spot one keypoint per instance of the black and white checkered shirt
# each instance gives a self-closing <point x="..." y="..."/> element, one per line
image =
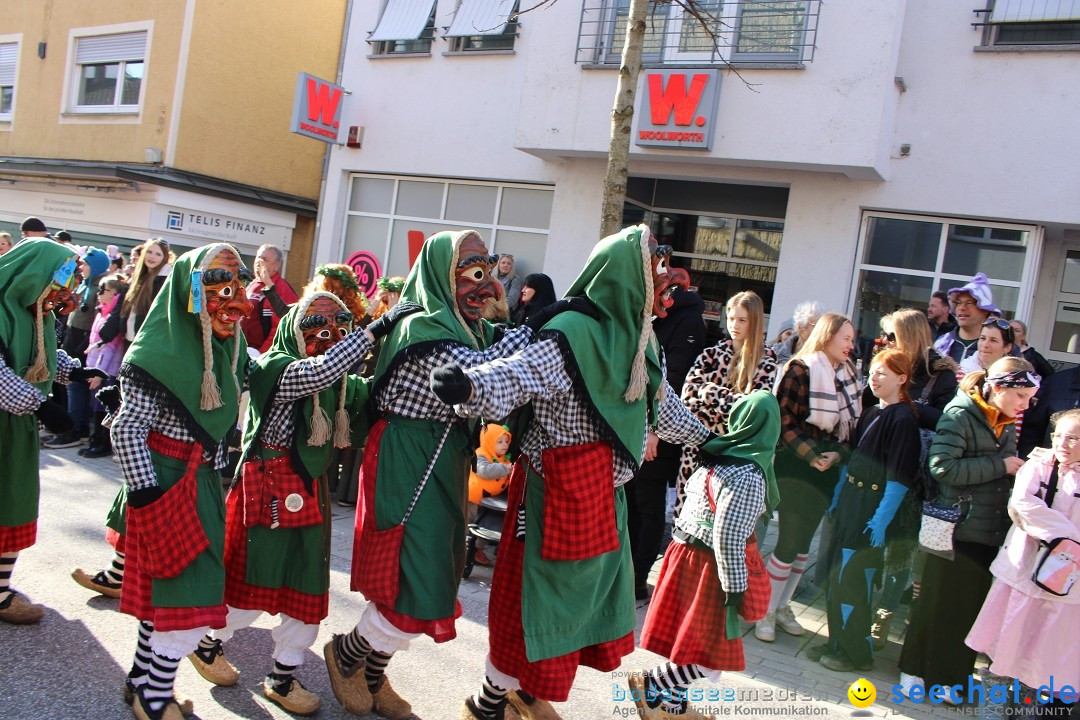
<point x="538" y="373"/>
<point x="407" y="391"/>
<point x="19" y="397"/>
<point x="739" y="492"/>
<point x="307" y="377"/>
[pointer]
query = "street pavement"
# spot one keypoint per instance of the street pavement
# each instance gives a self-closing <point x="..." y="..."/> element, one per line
<point x="72" y="664"/>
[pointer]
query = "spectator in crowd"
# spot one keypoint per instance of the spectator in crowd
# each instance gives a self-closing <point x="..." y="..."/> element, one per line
<point x="787" y="329"/>
<point x="803" y="321"/>
<point x="1042" y="365"/>
<point x="682" y="336"/>
<point x="819" y="405"/>
<point x="1059" y="393"/>
<point x="973" y="458"/>
<point x="1029" y="633"/>
<point x="33" y="227"/>
<point x="5" y="242"/>
<point x="972" y="304"/>
<point x="105" y="357"/>
<point x="259" y="327"/>
<point x="133" y="257"/>
<point x="152" y="267"/>
<point x="63" y="237"/>
<point x="865" y="502"/>
<point x="537" y="292"/>
<point x="938" y="314"/>
<point x="995" y="342"/>
<point x="725" y="373"/>
<point x="506" y="275"/>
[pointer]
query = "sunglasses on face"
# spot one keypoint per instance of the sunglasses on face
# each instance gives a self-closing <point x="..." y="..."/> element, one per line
<point x="891" y="337"/>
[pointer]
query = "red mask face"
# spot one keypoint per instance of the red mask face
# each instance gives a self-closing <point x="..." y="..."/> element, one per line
<point x="324" y="325"/>
<point x="60" y="299"/>
<point x="665" y="278"/>
<point x="226" y="301"/>
<point x="476" y="288"/>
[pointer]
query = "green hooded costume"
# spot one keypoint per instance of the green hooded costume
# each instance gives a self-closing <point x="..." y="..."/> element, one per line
<point x="288" y="560"/>
<point x="753" y="431"/>
<point x="432" y="553"/>
<point x="25" y="272"/>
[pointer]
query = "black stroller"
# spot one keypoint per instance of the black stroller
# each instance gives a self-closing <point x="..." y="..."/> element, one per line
<point x="487" y="526"/>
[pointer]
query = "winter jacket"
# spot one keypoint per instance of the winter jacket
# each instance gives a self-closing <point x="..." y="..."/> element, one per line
<point x="682" y="336"/>
<point x="968" y="462"/>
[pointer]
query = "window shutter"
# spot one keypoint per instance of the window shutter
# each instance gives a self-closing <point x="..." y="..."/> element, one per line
<point x="110" y="48"/>
<point x="402" y="20"/>
<point x="481" y="17"/>
<point x="9" y="52"/>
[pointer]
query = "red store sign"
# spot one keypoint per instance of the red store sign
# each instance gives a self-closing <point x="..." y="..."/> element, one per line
<point x="677" y="109"/>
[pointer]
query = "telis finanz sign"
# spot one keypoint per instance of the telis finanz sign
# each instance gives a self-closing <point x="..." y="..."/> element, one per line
<point x="317" y="108"/>
<point x="677" y="109"/>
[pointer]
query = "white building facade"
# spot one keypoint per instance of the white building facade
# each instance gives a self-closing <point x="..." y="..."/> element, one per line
<point x="860" y="154"/>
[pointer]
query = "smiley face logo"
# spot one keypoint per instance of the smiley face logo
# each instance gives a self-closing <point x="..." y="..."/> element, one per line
<point x="862" y="693"/>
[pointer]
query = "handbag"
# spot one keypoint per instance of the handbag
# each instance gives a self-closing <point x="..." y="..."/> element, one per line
<point x="1058" y="566"/>
<point x="938" y="525"/>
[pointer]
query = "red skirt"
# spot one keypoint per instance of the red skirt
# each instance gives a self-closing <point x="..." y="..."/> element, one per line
<point x="549" y="679"/>
<point x="20" y="537"/>
<point x="116" y="540"/>
<point x="686" y="618"/>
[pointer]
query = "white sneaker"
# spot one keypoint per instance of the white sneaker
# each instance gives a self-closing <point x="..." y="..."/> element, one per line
<point x="909" y="681"/>
<point x="785" y="618"/>
<point x="765" y="628"/>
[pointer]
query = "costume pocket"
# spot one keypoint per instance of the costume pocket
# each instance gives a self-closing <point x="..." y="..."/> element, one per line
<point x="169" y="532"/>
<point x="579" y="502"/>
<point x="756" y="600"/>
<point x="377" y="565"/>
<point x="276" y="496"/>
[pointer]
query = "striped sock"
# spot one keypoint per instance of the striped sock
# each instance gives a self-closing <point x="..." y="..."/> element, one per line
<point x="665" y="686"/>
<point x="7" y="564"/>
<point x="208" y="649"/>
<point x="141" y="666"/>
<point x="354" y="647"/>
<point x="490" y="697"/>
<point x="159" y="682"/>
<point x="375" y="667"/>
<point x="115" y="572"/>
<point x="798" y="567"/>
<point x="281" y="677"/>
<point x="779" y="572"/>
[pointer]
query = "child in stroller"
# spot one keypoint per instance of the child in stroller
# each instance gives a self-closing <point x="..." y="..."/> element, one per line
<point x="487" y="493"/>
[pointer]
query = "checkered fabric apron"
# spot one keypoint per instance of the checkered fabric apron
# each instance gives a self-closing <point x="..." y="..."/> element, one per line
<point x="685" y="621"/>
<point x="551" y="678"/>
<point x="162" y="601"/>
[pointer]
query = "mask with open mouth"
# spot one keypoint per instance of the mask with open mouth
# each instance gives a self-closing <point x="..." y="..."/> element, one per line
<point x="474" y="287"/>
<point x="325" y="324"/>
<point x="61" y="297"/>
<point x="226" y="300"/>
<point x="665" y="278"/>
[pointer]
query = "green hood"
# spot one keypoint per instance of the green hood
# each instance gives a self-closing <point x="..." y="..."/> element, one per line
<point x="168" y="350"/>
<point x="603" y="351"/>
<point x="752" y="434"/>
<point x="25" y="271"/>
<point x="310" y="460"/>
<point x="431" y="285"/>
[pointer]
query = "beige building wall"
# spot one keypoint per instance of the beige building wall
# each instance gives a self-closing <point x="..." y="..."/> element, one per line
<point x="40" y="127"/>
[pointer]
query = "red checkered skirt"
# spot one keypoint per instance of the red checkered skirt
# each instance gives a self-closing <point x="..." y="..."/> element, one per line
<point x="116" y="540"/>
<point x="136" y="597"/>
<point x="305" y="607"/>
<point x="19" y="537"/>
<point x="686" y="618"/>
<point x="549" y="679"/>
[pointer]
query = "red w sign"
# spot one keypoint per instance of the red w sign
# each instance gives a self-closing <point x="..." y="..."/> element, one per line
<point x="681" y="109"/>
<point x="317" y="108"/>
<point x="675" y="97"/>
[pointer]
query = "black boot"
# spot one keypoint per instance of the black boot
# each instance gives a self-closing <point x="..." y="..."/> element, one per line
<point x="100" y="442"/>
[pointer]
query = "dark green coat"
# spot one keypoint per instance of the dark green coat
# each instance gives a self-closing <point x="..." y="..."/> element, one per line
<point x="968" y="461"/>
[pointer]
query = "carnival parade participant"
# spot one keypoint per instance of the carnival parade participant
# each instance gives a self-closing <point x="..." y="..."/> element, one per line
<point x="409" y="548"/>
<point x="563" y="592"/>
<point x="711" y="560"/>
<point x="277" y="536"/>
<point x="181" y="383"/>
<point x="37" y="279"/>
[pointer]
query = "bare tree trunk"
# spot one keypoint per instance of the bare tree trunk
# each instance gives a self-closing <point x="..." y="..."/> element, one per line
<point x="622" y="115"/>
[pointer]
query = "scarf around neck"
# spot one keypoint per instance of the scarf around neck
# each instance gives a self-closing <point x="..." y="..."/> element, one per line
<point x="834" y="395"/>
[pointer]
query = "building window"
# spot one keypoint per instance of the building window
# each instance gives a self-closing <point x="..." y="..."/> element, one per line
<point x="1030" y="22"/>
<point x="759" y="32"/>
<point x="109" y="72"/>
<point x="407" y="27"/>
<point x="387" y="214"/>
<point x="903" y="259"/>
<point x="483" y="25"/>
<point x="9" y="55"/>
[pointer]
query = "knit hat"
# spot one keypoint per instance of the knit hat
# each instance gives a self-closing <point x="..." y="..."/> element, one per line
<point x="112" y="251"/>
<point x="63" y="236"/>
<point x="978" y="288"/>
<point x="33" y="224"/>
<point x="98" y="261"/>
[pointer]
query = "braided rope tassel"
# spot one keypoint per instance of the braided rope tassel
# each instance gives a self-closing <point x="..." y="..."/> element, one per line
<point x="39" y="370"/>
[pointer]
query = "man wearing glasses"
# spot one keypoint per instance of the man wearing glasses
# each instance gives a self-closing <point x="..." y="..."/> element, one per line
<point x="971" y="304"/>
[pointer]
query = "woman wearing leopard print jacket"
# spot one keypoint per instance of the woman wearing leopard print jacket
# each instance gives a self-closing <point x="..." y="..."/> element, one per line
<point x="725" y="373"/>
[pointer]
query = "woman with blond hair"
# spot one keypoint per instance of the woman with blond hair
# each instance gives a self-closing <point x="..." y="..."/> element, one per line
<point x="819" y="406"/>
<point x="725" y="373"/>
<point x="973" y="458"/>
